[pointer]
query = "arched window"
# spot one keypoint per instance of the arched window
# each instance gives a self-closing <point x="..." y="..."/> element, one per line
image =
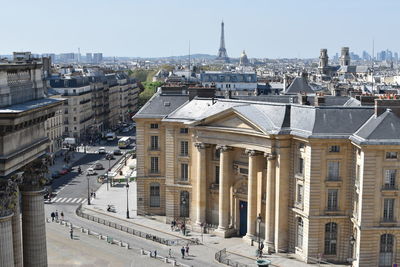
<point x="184" y="204"/>
<point x="299" y="239"/>
<point x="154" y="195"/>
<point x="330" y="238"/>
<point x="386" y="250"/>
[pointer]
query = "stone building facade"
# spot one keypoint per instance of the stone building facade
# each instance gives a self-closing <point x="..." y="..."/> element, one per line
<point x="23" y="143"/>
<point x="323" y="179"/>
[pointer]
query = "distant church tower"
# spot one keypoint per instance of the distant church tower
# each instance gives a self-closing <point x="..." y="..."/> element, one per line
<point x="345" y="57"/>
<point x="323" y="61"/>
<point x="222" y="55"/>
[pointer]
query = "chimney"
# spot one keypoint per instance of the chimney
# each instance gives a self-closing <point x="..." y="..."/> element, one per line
<point x="319" y="100"/>
<point x="392" y="102"/>
<point x="303" y="99"/>
<point x="367" y="100"/>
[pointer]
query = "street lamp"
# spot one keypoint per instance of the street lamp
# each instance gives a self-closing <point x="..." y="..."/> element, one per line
<point x="88" y="195"/>
<point x="259" y="219"/>
<point x="183" y="202"/>
<point x="127" y="194"/>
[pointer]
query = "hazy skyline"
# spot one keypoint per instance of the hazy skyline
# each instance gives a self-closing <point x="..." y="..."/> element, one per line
<point x="265" y="29"/>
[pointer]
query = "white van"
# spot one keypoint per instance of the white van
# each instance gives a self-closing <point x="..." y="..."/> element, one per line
<point x="111" y="136"/>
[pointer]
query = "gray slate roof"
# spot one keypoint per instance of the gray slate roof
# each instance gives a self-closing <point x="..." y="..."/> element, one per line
<point x="384" y="130"/>
<point x="161" y="105"/>
<point x="299" y="85"/>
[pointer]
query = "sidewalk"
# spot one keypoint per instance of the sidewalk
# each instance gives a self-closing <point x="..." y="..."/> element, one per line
<point x="237" y="249"/>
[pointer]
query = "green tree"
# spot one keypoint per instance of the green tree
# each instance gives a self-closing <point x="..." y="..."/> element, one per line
<point x="149" y="89"/>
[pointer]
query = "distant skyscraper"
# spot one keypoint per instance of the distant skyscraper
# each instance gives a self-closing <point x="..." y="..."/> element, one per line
<point x="97" y="57"/>
<point x="222" y="55"/>
<point x="89" y="58"/>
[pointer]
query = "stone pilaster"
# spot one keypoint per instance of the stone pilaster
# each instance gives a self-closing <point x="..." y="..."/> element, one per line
<point x="255" y="159"/>
<point x="34" y="229"/>
<point x="224" y="191"/>
<point x="281" y="240"/>
<point x="6" y="242"/>
<point x="201" y="184"/>
<point x="270" y="204"/>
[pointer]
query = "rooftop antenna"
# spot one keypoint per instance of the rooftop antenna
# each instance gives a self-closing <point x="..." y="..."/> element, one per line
<point x="189" y="64"/>
<point x="372" y="62"/>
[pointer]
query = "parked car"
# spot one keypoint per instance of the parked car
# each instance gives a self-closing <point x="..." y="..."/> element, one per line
<point x="125" y="130"/>
<point x="110" y="156"/>
<point x="55" y="175"/>
<point x="102" y="150"/>
<point x="63" y="171"/>
<point x="90" y="171"/>
<point x="98" y="166"/>
<point x="117" y="152"/>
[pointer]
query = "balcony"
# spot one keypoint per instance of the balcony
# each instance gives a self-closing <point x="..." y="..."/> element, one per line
<point x="154" y="149"/>
<point x="389" y="187"/>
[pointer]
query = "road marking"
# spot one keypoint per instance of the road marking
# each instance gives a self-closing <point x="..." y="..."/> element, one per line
<point x="75" y="199"/>
<point x="61" y="199"/>
<point x="69" y="199"/>
<point x="84" y="201"/>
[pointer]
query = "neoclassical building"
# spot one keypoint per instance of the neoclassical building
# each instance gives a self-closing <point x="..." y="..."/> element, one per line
<point x="323" y="178"/>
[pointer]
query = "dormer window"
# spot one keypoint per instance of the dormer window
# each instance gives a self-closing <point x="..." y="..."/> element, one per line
<point x="334" y="149"/>
<point x="391" y="155"/>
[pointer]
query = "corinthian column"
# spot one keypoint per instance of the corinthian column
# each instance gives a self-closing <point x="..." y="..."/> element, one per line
<point x="224" y="190"/>
<point x="17" y="233"/>
<point x="7" y="203"/>
<point x="255" y="158"/>
<point x="201" y="184"/>
<point x="33" y="217"/>
<point x="270" y="204"/>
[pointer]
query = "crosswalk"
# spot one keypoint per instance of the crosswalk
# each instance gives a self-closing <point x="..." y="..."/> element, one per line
<point x="68" y="200"/>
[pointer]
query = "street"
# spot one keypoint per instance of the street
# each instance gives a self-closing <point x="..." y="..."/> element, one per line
<point x="72" y="188"/>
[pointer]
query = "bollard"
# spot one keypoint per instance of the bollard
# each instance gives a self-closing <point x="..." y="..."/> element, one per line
<point x="127" y="246"/>
<point x="100" y="237"/>
<point x="66" y="224"/>
<point x="141" y="251"/>
<point x="166" y="260"/>
<point x="121" y="244"/>
<point x="173" y="262"/>
<point x="88" y="232"/>
<point x="61" y="222"/>
<point x="149" y="254"/>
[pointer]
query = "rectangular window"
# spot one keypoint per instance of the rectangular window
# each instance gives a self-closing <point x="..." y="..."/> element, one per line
<point x="154" y="142"/>
<point x="217" y="174"/>
<point x="184" y="130"/>
<point x="184" y="172"/>
<point x="333" y="170"/>
<point x="332" y="199"/>
<point x="391" y="155"/>
<point x="154" y="165"/>
<point x="217" y="154"/>
<point x="334" y="149"/>
<point x="301" y="165"/>
<point x="154" y="195"/>
<point x="388" y="209"/>
<point x="184" y="148"/>
<point x="390" y="179"/>
<point x="300" y="191"/>
<point x="154" y="126"/>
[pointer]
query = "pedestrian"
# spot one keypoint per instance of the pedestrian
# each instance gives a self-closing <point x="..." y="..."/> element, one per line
<point x="94" y="194"/>
<point x="172" y="225"/>
<point x="56" y="214"/>
<point x="169" y="253"/>
<point x="183" y="252"/>
<point x="187" y="250"/>
<point x="52" y="216"/>
<point x="62" y="215"/>
<point x="71" y="233"/>
<point x="155" y="254"/>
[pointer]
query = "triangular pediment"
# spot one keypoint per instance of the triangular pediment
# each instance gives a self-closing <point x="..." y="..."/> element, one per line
<point x="231" y="120"/>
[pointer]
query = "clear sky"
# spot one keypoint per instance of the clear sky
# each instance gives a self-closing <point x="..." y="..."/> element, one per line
<point x="152" y="28"/>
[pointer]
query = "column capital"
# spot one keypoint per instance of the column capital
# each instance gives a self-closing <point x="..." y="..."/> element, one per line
<point x="270" y="156"/>
<point x="33" y="177"/>
<point x="223" y="148"/>
<point x="200" y="145"/>
<point x="252" y="152"/>
<point x="8" y="195"/>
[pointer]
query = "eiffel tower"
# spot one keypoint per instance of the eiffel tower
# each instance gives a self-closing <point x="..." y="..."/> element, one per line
<point x="222" y="55"/>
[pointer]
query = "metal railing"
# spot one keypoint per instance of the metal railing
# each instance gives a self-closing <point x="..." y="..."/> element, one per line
<point x="222" y="257"/>
<point x="129" y="230"/>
